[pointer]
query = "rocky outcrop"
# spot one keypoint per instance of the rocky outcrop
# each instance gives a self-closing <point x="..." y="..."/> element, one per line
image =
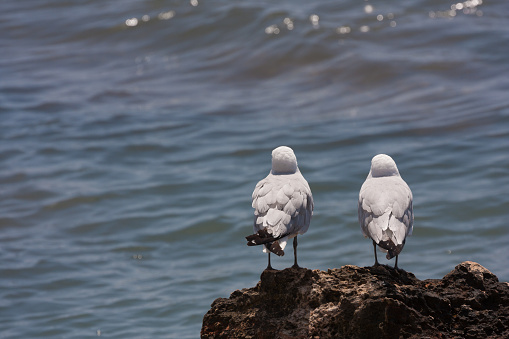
<point x="364" y="302"/>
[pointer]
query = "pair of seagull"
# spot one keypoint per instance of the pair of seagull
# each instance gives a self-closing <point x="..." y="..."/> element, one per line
<point x="283" y="206"/>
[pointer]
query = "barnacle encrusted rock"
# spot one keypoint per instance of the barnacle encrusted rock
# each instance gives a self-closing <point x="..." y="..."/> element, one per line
<point x="364" y="302"/>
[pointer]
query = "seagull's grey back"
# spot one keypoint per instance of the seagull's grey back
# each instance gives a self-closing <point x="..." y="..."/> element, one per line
<point x="385" y="209"/>
<point x="283" y="203"/>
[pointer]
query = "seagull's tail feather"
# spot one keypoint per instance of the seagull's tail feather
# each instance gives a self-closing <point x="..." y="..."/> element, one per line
<point x="276" y="249"/>
<point x="259" y="238"/>
<point x="262" y="237"/>
<point x="392" y="249"/>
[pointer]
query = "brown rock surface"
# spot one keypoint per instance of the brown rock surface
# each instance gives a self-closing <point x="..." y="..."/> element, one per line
<point x="364" y="302"/>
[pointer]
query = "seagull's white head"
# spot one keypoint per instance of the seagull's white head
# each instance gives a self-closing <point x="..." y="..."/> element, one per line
<point x="284" y="160"/>
<point x="382" y="165"/>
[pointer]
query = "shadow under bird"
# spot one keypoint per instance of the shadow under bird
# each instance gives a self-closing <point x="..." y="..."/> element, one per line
<point x="283" y="206"/>
<point x="385" y="207"/>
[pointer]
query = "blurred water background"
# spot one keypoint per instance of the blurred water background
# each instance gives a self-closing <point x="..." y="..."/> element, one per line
<point x="132" y="134"/>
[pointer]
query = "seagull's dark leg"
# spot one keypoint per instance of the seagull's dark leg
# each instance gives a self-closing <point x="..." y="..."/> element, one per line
<point x="376" y="259"/>
<point x="268" y="266"/>
<point x="396" y="264"/>
<point x="295" y="253"/>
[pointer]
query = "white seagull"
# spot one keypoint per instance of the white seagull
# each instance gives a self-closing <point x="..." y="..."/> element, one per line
<point x="385" y="207"/>
<point x="283" y="205"/>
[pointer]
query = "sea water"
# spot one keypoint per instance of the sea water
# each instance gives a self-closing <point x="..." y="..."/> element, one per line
<point x="132" y="134"/>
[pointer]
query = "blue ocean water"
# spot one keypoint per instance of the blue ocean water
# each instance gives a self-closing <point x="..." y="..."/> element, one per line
<point x="132" y="134"/>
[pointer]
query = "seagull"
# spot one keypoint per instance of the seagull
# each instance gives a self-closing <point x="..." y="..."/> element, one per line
<point x="385" y="207"/>
<point x="283" y="206"/>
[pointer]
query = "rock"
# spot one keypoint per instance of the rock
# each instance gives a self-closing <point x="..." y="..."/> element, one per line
<point x="364" y="302"/>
